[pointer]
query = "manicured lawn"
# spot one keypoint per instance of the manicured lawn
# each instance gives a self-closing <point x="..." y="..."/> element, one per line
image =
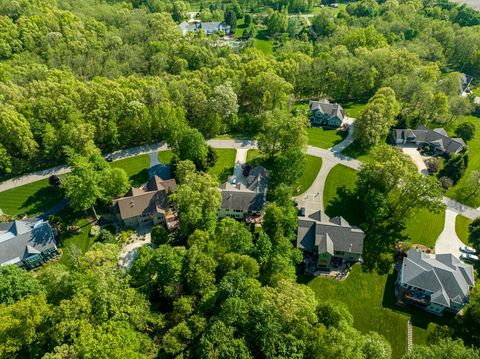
<point x="81" y="240"/>
<point x="473" y="154"/>
<point x="31" y="199"/>
<point x="355" y="151"/>
<point x="324" y="138"/>
<point x="253" y="155"/>
<point x="165" y="157"/>
<point x="265" y="46"/>
<point x="353" y="109"/>
<point x="424" y="227"/>
<point x="312" y="166"/>
<point x="461" y="227"/>
<point x="337" y="195"/>
<point x="136" y="168"/>
<point x="370" y="299"/>
<point x="224" y="165"/>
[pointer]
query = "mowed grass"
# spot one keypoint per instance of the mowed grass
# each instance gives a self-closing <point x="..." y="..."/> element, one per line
<point x="323" y="138"/>
<point x="30" y="199"/>
<point x="370" y="298"/>
<point x="424" y="227"/>
<point x="265" y="46"/>
<point x="165" y="157"/>
<point x="337" y="195"/>
<point x="353" y="109"/>
<point x="312" y="166"/>
<point x="136" y="167"/>
<point x="461" y="227"/>
<point x="473" y="155"/>
<point x="357" y="152"/>
<point x="223" y="167"/>
<point x="81" y="240"/>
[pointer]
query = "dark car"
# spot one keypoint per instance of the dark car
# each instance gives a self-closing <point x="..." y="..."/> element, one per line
<point x="109" y="158"/>
<point x="301" y="212"/>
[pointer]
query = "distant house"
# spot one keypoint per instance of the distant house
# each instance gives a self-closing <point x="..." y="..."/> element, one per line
<point x="148" y="205"/>
<point x="437" y="139"/>
<point x="437" y="283"/>
<point x="27" y="243"/>
<point x="328" y="243"/>
<point x="208" y="28"/>
<point x="466" y="81"/>
<point x="244" y="197"/>
<point x="324" y="113"/>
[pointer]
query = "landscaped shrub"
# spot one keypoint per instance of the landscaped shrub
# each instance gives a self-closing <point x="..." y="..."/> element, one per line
<point x="455" y="167"/>
<point x="159" y="235"/>
<point x="446" y="182"/>
<point x="465" y="130"/>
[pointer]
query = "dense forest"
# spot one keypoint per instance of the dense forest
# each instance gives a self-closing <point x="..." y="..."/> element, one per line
<point x="82" y="77"/>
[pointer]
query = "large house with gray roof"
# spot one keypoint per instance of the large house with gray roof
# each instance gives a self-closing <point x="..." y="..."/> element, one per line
<point x="437" y="139"/>
<point x="27" y="243"/>
<point x="437" y="283"/>
<point x="148" y="205"/>
<point x="209" y="28"/>
<point x="324" y="113"/>
<point x="328" y="242"/>
<point x="246" y="196"/>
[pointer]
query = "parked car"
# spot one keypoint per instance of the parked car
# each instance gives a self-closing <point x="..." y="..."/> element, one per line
<point x="467" y="257"/>
<point x="295" y="202"/>
<point x="301" y="212"/>
<point x="467" y="249"/>
<point x="109" y="158"/>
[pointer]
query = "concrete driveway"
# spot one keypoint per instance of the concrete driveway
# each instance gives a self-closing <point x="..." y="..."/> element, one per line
<point x="448" y="241"/>
<point x="416" y="157"/>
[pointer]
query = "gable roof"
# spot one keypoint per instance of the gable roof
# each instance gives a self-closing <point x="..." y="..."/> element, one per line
<point x="329" y="235"/>
<point x="437" y="137"/>
<point x="147" y="200"/>
<point x="327" y="108"/>
<point x="246" y="195"/>
<point x="23" y="238"/>
<point x="443" y="274"/>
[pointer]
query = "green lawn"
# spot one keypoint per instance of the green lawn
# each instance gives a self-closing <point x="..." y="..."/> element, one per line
<point x="165" y="157"/>
<point x="224" y="165"/>
<point x="312" y="166"/>
<point x="473" y="154"/>
<point x="337" y="196"/>
<point x="461" y="227"/>
<point x="424" y="227"/>
<point x="370" y="298"/>
<point x="355" y="151"/>
<point x="476" y="91"/>
<point x="31" y="199"/>
<point x="353" y="109"/>
<point x="265" y="46"/>
<point x="324" y="138"/>
<point x="136" y="167"/>
<point x="253" y="155"/>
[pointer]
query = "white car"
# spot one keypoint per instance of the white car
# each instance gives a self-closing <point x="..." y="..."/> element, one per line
<point x="467" y="249"/>
<point x="469" y="257"/>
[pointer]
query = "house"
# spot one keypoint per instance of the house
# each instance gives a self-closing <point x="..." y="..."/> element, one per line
<point x="208" y="28"/>
<point x="437" y="139"/>
<point x="148" y="205"/>
<point x="437" y="283"/>
<point x="328" y="243"/>
<point x="324" y="113"/>
<point x="27" y="243"/>
<point x="244" y="198"/>
<point x="466" y="81"/>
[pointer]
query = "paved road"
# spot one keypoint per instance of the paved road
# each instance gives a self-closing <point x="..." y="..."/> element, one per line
<point x="448" y="241"/>
<point x="473" y="3"/>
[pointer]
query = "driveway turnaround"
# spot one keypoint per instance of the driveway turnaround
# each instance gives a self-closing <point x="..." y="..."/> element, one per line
<point x="416" y="158"/>
<point x="448" y="241"/>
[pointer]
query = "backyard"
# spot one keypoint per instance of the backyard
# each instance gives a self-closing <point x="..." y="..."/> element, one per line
<point x="324" y="138"/>
<point x="72" y="243"/>
<point x="31" y="199"/>
<point x="223" y="167"/>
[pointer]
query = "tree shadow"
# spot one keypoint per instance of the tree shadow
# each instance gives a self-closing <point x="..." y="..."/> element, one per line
<point x="42" y="200"/>
<point x="140" y="177"/>
<point x="226" y="172"/>
<point x="347" y="205"/>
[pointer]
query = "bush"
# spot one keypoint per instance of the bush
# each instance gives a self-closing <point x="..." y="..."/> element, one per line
<point x="95" y="231"/>
<point x="159" y="235"/>
<point x="105" y="236"/>
<point x="455" y="167"/>
<point x="433" y="165"/>
<point x="465" y="130"/>
<point x="446" y="182"/>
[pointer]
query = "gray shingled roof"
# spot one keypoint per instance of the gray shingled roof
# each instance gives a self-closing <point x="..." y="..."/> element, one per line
<point x="444" y="275"/>
<point x="438" y="137"/>
<point x="22" y="238"/>
<point x="330" y="109"/>
<point x="329" y="235"/>
<point x="247" y="195"/>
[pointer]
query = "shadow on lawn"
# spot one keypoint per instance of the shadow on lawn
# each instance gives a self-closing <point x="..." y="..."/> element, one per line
<point x="140" y="177"/>
<point x="42" y="200"/>
<point x="226" y="172"/>
<point x="347" y="205"/>
<point x="418" y="316"/>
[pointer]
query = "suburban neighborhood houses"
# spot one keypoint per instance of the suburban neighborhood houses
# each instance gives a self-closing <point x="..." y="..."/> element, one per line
<point x="28" y="243"/>
<point x="437" y="283"/>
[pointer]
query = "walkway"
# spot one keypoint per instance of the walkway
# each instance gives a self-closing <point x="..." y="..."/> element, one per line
<point x="409" y="335"/>
<point x="128" y="254"/>
<point x="347" y="141"/>
<point x="448" y="241"/>
<point x="240" y="160"/>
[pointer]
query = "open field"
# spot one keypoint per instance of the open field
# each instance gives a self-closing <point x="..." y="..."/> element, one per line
<point x="323" y="138"/>
<point x="312" y="166"/>
<point x="224" y="165"/>
<point x="461" y="227"/>
<point x="424" y="227"/>
<point x="136" y="168"/>
<point x="31" y="199"/>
